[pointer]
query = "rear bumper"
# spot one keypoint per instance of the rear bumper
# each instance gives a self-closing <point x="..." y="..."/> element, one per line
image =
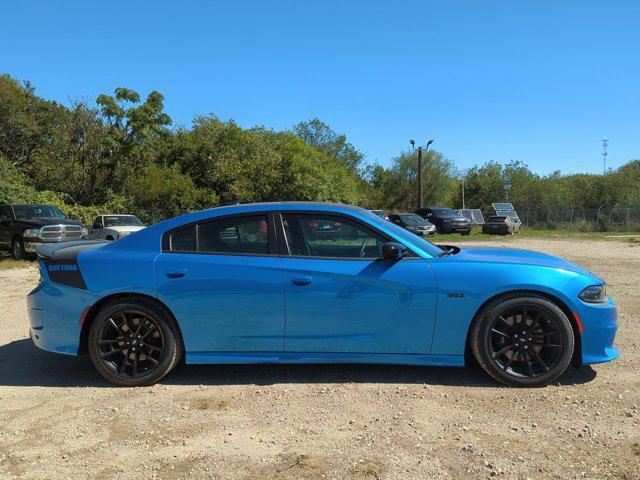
<point x="600" y="324"/>
<point x="54" y="314"/>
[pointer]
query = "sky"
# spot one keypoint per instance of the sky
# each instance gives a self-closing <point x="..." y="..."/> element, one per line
<point x="542" y="82"/>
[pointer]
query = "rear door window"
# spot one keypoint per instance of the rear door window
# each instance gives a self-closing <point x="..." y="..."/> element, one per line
<point x="183" y="240"/>
<point x="239" y="235"/>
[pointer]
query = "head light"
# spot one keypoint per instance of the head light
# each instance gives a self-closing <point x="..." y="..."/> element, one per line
<point x="31" y="232"/>
<point x="593" y="294"/>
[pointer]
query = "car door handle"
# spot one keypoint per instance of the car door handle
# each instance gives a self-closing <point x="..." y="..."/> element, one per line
<point x="175" y="272"/>
<point x="301" y="280"/>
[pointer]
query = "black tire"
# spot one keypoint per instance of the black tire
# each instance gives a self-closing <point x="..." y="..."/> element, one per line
<point x="17" y="248"/>
<point x="523" y="340"/>
<point x="109" y="237"/>
<point x="124" y="326"/>
<point x="466" y="233"/>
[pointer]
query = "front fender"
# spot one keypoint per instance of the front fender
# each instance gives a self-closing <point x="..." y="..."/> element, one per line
<point x="463" y="289"/>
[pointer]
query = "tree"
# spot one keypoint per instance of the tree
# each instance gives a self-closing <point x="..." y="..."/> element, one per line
<point x="160" y="192"/>
<point x="396" y="187"/>
<point x="130" y="127"/>
<point x="320" y="136"/>
<point x="28" y="123"/>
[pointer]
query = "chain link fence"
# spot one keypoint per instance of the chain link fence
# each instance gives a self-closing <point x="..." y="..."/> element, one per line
<point x="582" y="219"/>
<point x="571" y="218"/>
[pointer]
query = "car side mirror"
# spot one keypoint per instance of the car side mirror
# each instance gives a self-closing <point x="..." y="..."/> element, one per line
<point x="393" y="251"/>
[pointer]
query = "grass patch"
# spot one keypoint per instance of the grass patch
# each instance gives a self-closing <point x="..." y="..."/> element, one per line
<point x="210" y="404"/>
<point x="477" y="235"/>
<point x="7" y="262"/>
<point x="299" y="461"/>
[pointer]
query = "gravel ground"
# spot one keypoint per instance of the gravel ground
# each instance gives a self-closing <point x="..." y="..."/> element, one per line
<point x="59" y="420"/>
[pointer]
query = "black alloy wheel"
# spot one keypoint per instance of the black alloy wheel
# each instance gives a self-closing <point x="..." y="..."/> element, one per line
<point x="131" y="344"/>
<point x="523" y="341"/>
<point x="134" y="342"/>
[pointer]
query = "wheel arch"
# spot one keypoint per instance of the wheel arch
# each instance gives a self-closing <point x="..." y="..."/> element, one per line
<point x="577" y="352"/>
<point x="96" y="307"/>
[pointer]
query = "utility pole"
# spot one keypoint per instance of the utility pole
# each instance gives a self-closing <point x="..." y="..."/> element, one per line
<point x="605" y="144"/>
<point x="420" y="184"/>
<point x="463" y="193"/>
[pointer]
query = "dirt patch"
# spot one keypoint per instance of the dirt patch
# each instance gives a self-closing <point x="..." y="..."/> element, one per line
<point x="59" y="420"/>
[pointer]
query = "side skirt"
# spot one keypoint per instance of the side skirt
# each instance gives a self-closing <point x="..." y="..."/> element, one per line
<point x="344" y="358"/>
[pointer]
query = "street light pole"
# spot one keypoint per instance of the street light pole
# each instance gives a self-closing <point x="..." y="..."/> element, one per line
<point x="420" y="192"/>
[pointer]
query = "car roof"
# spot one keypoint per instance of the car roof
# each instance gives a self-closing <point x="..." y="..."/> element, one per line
<point x="259" y="206"/>
<point x="28" y="205"/>
<point x="150" y="237"/>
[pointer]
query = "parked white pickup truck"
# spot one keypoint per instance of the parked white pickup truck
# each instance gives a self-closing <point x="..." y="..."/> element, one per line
<point x="115" y="226"/>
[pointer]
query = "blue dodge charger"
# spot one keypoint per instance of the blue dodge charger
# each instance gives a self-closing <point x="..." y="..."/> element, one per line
<point x="299" y="282"/>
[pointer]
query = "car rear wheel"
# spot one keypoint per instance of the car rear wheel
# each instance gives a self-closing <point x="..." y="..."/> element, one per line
<point x="524" y="341"/>
<point x="134" y="342"/>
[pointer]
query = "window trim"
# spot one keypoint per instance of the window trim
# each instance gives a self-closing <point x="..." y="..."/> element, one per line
<point x="272" y="245"/>
<point x="284" y="244"/>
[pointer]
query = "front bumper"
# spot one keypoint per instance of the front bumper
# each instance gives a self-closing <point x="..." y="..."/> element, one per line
<point x="424" y="233"/>
<point x="455" y="228"/>
<point x="600" y="325"/>
<point x="30" y="244"/>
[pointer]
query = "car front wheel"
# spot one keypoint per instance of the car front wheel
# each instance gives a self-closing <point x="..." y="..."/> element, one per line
<point x="134" y="342"/>
<point x="524" y="341"/>
<point x="17" y="249"/>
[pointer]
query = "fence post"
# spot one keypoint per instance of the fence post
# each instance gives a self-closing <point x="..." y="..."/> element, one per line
<point x="598" y="221"/>
<point x="626" y="221"/>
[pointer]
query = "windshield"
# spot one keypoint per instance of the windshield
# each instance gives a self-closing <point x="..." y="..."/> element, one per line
<point x="122" y="221"/>
<point x="412" y="218"/>
<point x="445" y="212"/>
<point x="37" y="211"/>
<point x="426" y="247"/>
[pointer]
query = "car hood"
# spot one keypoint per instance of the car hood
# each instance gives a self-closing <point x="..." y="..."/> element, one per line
<point x="126" y="228"/>
<point x="42" y="221"/>
<point x="519" y="257"/>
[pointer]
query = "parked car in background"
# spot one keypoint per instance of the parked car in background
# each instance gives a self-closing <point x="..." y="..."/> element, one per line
<point x="114" y="226"/>
<point x="381" y="214"/>
<point x="414" y="223"/>
<point x="446" y="220"/>
<point x="184" y="290"/>
<point x="324" y="229"/>
<point x="500" y="225"/>
<point x="24" y="226"/>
